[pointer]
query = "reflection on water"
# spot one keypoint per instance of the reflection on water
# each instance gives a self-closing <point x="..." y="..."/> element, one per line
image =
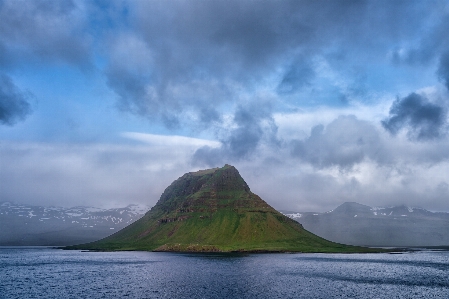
<point x="52" y="273"/>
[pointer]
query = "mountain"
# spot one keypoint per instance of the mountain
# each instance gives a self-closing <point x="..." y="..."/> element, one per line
<point x="214" y="210"/>
<point x="397" y="226"/>
<point x="28" y="225"/>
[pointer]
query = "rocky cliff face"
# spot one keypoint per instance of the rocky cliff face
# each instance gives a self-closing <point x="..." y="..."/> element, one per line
<point x="206" y="191"/>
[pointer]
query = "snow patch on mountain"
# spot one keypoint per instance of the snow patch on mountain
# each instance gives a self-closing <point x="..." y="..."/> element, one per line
<point x="26" y="224"/>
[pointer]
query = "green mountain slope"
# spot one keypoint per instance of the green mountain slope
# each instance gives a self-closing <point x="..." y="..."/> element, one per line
<point x="214" y="210"/>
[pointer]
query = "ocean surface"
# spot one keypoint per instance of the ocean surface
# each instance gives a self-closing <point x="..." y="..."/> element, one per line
<point x="52" y="273"/>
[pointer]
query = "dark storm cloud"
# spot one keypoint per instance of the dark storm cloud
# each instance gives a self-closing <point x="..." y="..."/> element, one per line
<point x="14" y="105"/>
<point x="344" y="142"/>
<point x="422" y="119"/>
<point x="197" y="56"/>
<point x="254" y="125"/>
<point x="204" y="53"/>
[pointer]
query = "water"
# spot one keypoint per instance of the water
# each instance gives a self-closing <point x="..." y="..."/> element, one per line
<point x="51" y="273"/>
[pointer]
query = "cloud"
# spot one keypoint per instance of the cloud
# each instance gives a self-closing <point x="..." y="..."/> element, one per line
<point x="14" y="103"/>
<point x="252" y="126"/>
<point x="293" y="185"/>
<point x="250" y="74"/>
<point x="422" y="119"/>
<point x="363" y="163"/>
<point x="184" y="63"/>
<point x="344" y="142"/>
<point x="99" y="175"/>
<point x="170" y="141"/>
<point x="49" y="30"/>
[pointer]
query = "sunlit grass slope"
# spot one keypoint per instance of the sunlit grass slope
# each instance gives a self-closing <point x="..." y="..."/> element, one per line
<point x="214" y="210"/>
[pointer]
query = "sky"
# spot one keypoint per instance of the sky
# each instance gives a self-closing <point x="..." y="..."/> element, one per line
<point x="105" y="103"/>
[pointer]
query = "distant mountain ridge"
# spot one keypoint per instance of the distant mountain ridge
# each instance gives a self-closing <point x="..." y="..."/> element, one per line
<point x="28" y="225"/>
<point x="349" y="223"/>
<point x="357" y="224"/>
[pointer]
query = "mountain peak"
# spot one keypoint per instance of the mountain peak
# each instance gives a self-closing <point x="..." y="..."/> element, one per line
<point x="214" y="210"/>
<point x="352" y="207"/>
<point x="202" y="183"/>
<point x="228" y="178"/>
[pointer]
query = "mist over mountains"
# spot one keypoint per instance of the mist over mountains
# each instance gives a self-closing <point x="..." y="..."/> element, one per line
<point x="356" y="224"/>
<point x="48" y="226"/>
<point x="350" y="223"/>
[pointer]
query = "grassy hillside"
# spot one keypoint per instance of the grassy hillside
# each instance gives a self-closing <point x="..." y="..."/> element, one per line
<point x="214" y="210"/>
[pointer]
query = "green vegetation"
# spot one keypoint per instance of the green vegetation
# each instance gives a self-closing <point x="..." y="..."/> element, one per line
<point x="214" y="210"/>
